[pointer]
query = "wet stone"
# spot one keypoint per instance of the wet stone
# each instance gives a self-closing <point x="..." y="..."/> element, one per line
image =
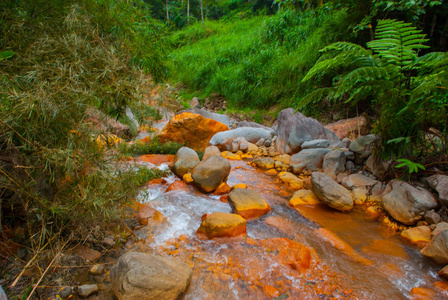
<point x="87" y="289"/>
<point x="222" y="225"/>
<point x="248" y="203"/>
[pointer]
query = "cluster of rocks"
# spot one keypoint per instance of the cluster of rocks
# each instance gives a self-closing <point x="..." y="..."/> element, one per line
<point x="210" y="175"/>
<point x="343" y="171"/>
<point x="324" y="167"/>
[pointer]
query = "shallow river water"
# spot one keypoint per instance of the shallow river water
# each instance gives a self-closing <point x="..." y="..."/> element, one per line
<point x="352" y="256"/>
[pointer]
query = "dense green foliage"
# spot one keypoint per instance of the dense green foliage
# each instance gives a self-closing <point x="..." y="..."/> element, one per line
<point x="69" y="56"/>
<point x="409" y="92"/>
<point x="255" y="62"/>
<point x="153" y="147"/>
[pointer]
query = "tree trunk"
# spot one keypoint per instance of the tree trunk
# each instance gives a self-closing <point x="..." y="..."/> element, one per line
<point x="202" y="16"/>
<point x="167" y="12"/>
<point x="188" y="12"/>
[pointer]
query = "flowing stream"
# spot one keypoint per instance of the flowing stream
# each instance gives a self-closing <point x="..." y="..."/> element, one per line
<point x="357" y="257"/>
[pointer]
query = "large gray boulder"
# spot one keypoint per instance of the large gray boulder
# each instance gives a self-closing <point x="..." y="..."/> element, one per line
<point x="334" y="163"/>
<point x="439" y="183"/>
<point x="209" y="115"/>
<point x="295" y="128"/>
<point x="437" y="248"/>
<point x="320" y="143"/>
<point x="210" y="173"/>
<point x="311" y="158"/>
<point x="253" y="124"/>
<point x="184" y="161"/>
<point x="405" y="203"/>
<point x="363" y="147"/>
<point x="330" y="192"/>
<point x="251" y="134"/>
<point x="142" y="276"/>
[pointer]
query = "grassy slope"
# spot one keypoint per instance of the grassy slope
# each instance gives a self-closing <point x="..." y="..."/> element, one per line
<point x="256" y="62"/>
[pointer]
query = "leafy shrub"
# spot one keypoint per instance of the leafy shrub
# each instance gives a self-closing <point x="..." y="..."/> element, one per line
<point x="410" y="92"/>
<point x="50" y="165"/>
<point x="153" y="147"/>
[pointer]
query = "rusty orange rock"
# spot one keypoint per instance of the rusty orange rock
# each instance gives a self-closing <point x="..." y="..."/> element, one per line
<point x="218" y="225"/>
<point x="146" y="214"/>
<point x="295" y="255"/>
<point x="187" y="178"/>
<point x="223" y="198"/>
<point x="157" y="159"/>
<point x="441" y="286"/>
<point x="420" y="293"/>
<point x="222" y="189"/>
<point x="270" y="291"/>
<point x="420" y="235"/>
<point x="239" y="186"/>
<point x="190" y="129"/>
<point x="350" y="128"/>
<point x="248" y="203"/>
<point x="303" y="197"/>
<point x="176" y="186"/>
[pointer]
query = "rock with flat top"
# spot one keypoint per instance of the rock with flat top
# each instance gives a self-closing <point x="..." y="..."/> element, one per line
<point x="405" y="203"/>
<point x="145" y="276"/>
<point x="330" y="192"/>
<point x="251" y="134"/>
<point x="417" y="235"/>
<point x="219" y="224"/>
<point x="248" y="203"/>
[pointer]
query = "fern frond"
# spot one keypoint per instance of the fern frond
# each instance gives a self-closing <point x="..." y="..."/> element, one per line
<point x="343" y="61"/>
<point x="397" y="42"/>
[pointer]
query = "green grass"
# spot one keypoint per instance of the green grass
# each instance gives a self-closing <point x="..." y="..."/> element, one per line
<point x="153" y="147"/>
<point x="257" y="62"/>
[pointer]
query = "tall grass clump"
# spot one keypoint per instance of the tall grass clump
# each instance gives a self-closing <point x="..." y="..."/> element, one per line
<point x="54" y="178"/>
<point x="256" y="62"/>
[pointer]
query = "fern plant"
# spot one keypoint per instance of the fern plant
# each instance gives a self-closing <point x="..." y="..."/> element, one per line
<point x="409" y="92"/>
